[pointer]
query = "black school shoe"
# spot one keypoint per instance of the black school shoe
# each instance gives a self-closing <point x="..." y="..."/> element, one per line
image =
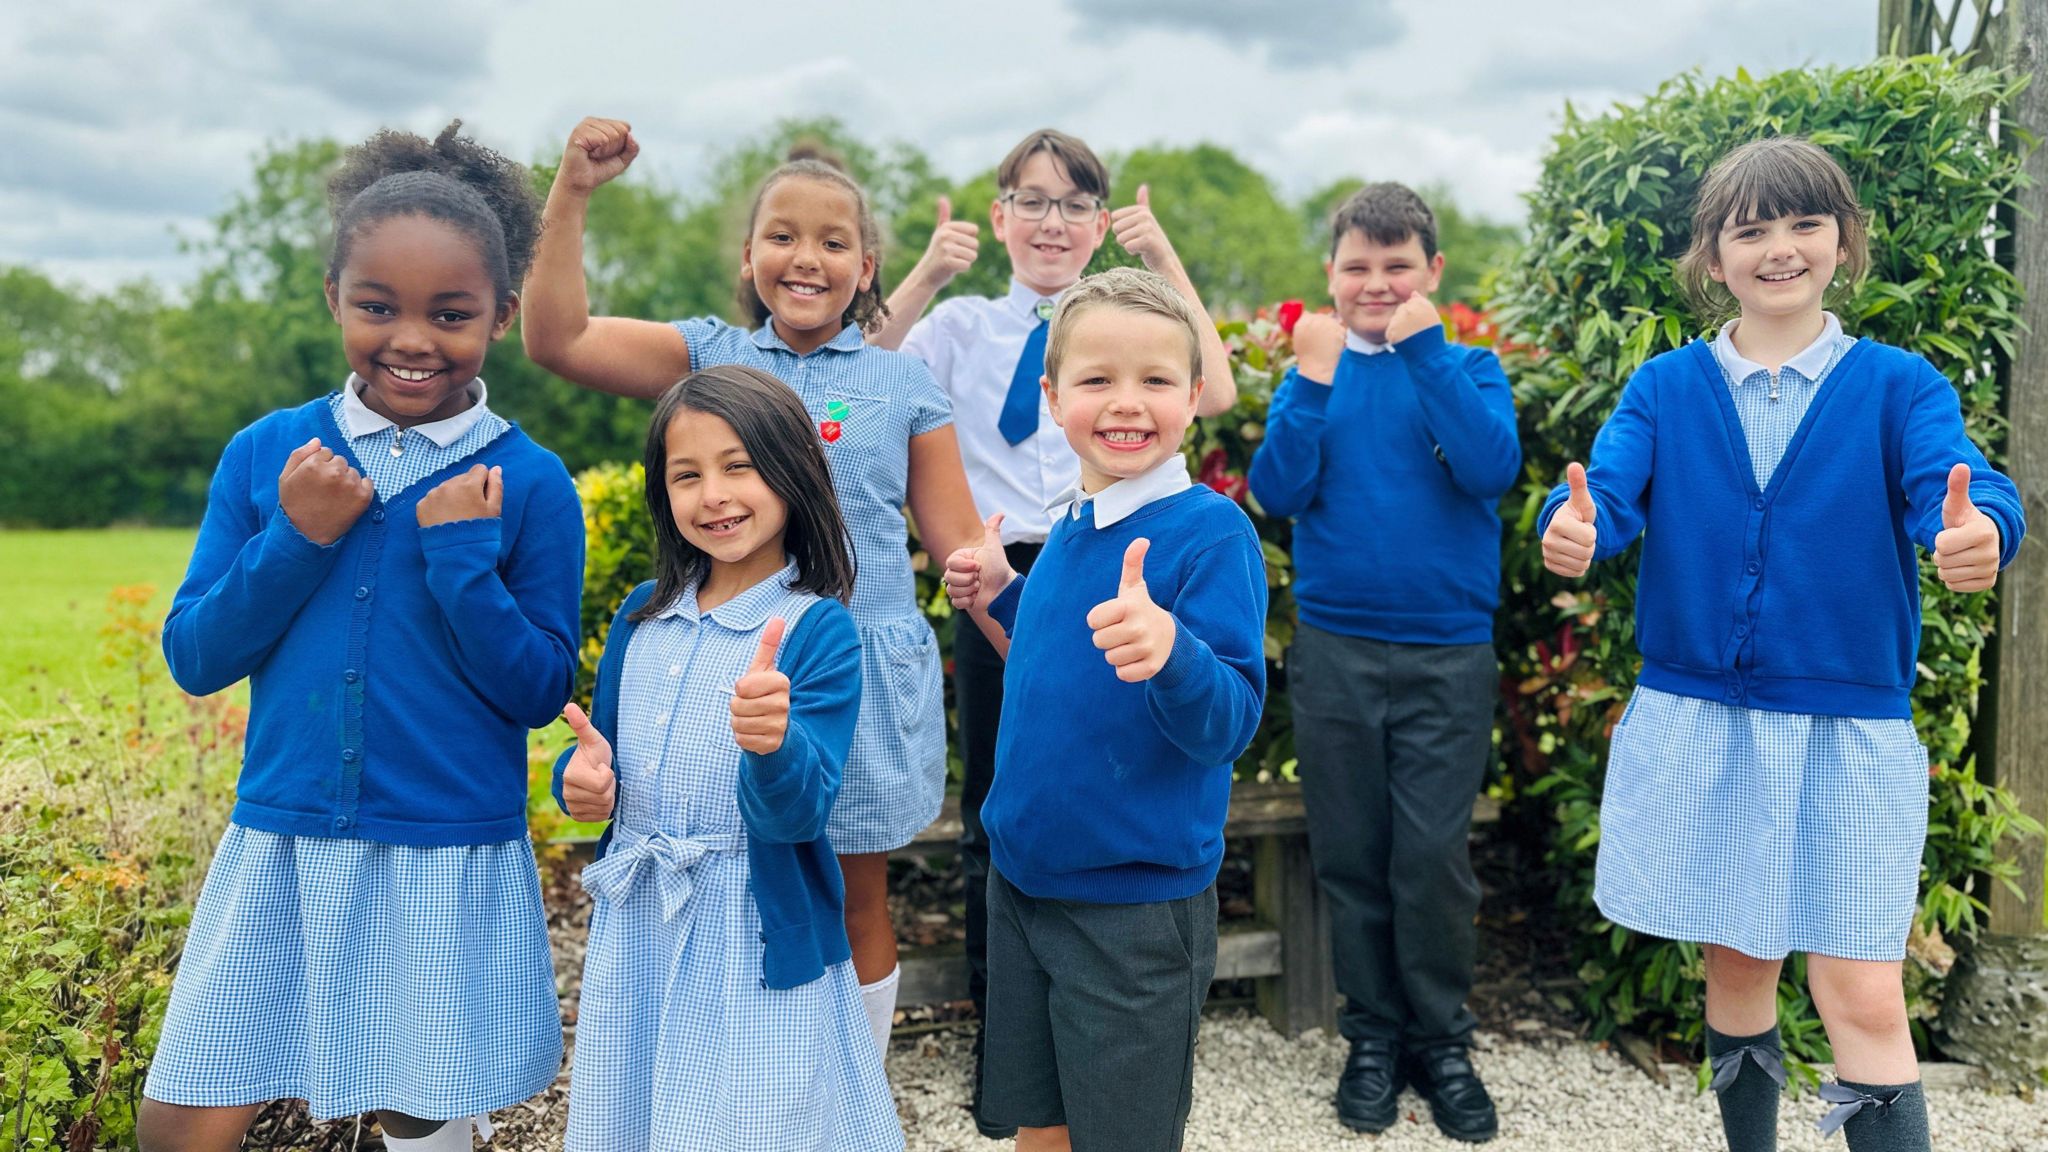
<point x="1457" y="1100"/>
<point x="988" y="1130"/>
<point x="1369" y="1091"/>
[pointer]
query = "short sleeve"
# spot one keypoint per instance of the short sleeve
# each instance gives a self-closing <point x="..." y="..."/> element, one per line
<point x="933" y="341"/>
<point x="930" y="407"/>
<point x="713" y="341"/>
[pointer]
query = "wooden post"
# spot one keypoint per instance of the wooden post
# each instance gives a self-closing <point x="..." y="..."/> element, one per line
<point x="2020" y="737"/>
<point x="1304" y="995"/>
<point x="1997" y="999"/>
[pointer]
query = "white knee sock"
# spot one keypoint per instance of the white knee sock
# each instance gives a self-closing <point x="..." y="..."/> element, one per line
<point x="879" y="999"/>
<point x="450" y="1137"/>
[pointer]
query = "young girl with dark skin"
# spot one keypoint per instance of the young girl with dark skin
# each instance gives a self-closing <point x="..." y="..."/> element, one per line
<point x="371" y="937"/>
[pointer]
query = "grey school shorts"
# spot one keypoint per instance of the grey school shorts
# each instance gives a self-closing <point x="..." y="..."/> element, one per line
<point x="1092" y="1015"/>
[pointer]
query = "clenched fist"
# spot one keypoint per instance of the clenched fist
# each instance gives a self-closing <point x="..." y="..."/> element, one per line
<point x="478" y="494"/>
<point x="321" y="494"/>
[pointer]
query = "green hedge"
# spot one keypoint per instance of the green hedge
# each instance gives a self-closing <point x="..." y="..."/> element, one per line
<point x="1594" y="290"/>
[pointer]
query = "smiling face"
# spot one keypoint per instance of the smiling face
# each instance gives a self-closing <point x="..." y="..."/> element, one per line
<point x="806" y="259"/>
<point x="1778" y="268"/>
<point x="1047" y="255"/>
<point x="417" y="312"/>
<point x="1368" y="280"/>
<point x="1126" y="392"/>
<point x="720" y="502"/>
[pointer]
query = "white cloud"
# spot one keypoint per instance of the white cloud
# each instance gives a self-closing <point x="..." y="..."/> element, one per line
<point x="121" y="121"/>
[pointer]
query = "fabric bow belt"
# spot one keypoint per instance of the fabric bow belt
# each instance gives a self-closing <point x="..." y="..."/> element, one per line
<point x="669" y="857"/>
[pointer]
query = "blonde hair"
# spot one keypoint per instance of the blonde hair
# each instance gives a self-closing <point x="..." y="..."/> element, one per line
<point x="1128" y="290"/>
<point x="1770" y="179"/>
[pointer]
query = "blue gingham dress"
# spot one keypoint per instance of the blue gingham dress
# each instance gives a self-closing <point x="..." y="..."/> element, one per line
<point x="679" y="1044"/>
<point x="1765" y="832"/>
<point x="867" y="403"/>
<point x="357" y="975"/>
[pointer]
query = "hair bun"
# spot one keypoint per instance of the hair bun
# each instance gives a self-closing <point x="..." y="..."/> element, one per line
<point x="812" y="148"/>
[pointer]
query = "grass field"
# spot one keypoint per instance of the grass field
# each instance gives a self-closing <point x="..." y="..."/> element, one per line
<point x="53" y="602"/>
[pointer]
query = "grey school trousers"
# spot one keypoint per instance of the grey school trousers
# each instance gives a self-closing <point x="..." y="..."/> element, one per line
<point x="1392" y="741"/>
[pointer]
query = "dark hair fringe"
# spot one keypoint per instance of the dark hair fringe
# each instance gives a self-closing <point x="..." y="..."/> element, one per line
<point x="1388" y="213"/>
<point x="775" y="429"/>
<point x="1070" y="154"/>
<point x="1769" y="179"/>
<point x="808" y="160"/>
<point x="451" y="178"/>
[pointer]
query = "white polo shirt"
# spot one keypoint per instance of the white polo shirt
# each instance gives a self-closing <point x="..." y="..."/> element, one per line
<point x="971" y="344"/>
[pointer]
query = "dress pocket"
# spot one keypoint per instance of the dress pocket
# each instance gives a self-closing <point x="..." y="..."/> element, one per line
<point x="848" y="423"/>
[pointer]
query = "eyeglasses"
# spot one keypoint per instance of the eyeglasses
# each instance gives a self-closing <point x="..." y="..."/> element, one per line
<point x="1036" y="206"/>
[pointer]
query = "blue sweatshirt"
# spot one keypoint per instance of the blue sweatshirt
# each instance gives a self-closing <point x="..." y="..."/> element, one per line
<point x="395" y="672"/>
<point x="1115" y="793"/>
<point x="1802" y="596"/>
<point x="1394" y="473"/>
<point x="785" y="796"/>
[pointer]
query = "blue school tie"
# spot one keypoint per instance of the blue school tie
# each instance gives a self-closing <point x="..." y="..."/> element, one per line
<point x="1020" y="408"/>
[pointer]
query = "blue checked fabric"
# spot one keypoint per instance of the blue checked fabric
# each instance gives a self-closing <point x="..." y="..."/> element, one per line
<point x="1765" y="832"/>
<point x="678" y="1043"/>
<point x="867" y="403"/>
<point x="356" y="975"/>
<point x="418" y="457"/>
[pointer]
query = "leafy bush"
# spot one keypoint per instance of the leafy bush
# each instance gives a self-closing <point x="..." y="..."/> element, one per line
<point x="109" y="809"/>
<point x="1595" y="290"/>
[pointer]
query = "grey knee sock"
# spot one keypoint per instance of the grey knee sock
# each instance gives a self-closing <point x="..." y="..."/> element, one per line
<point x="1749" y="1076"/>
<point x="1877" y="1117"/>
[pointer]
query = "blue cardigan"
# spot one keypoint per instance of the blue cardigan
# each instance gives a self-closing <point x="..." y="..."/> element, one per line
<point x="785" y="796"/>
<point x="393" y="674"/>
<point x="1802" y="596"/>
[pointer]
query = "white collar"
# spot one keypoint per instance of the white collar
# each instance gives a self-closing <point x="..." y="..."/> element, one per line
<point x="1119" y="499"/>
<point x="1810" y="363"/>
<point x="359" y="421"/>
<point x="1363" y="346"/>
<point x="1025" y="301"/>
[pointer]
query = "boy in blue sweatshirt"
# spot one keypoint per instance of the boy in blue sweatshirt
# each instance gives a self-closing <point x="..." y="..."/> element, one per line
<point x="1136" y="675"/>
<point x="1382" y="424"/>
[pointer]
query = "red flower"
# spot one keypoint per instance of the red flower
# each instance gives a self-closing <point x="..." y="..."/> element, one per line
<point x="1290" y="312"/>
<point x="1215" y="472"/>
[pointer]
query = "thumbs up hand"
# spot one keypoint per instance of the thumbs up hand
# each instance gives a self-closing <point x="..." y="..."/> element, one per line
<point x="1568" y="542"/>
<point x="1140" y="234"/>
<point x="588" y="785"/>
<point x="976" y="576"/>
<point x="760" y="700"/>
<point x="1966" y="549"/>
<point x="1135" y="634"/>
<point x="954" y="245"/>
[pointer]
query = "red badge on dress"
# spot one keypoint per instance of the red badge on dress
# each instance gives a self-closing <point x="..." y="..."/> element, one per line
<point x="828" y="430"/>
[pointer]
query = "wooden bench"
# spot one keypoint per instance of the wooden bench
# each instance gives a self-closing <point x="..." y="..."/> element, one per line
<point x="1285" y="948"/>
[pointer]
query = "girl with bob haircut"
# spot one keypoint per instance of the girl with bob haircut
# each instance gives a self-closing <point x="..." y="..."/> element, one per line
<point x="1766" y="792"/>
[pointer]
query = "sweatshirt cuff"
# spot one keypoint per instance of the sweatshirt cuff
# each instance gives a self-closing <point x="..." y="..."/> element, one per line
<point x="1307" y="393"/>
<point x="463" y="533"/>
<point x="1183" y="662"/>
<point x="294" y="545"/>
<point x="2008" y="539"/>
<point x="1003" y="609"/>
<point x="1424" y="346"/>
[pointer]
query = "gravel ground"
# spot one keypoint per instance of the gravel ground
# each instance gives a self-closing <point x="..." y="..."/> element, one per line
<point x="1256" y="1090"/>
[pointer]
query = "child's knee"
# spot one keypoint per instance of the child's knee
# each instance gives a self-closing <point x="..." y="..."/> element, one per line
<point x="1864" y="997"/>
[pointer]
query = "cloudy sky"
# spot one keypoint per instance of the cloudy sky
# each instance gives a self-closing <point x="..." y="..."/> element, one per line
<point x="124" y="126"/>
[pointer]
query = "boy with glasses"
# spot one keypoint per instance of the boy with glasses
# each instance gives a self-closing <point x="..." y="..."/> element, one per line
<point x="988" y="353"/>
